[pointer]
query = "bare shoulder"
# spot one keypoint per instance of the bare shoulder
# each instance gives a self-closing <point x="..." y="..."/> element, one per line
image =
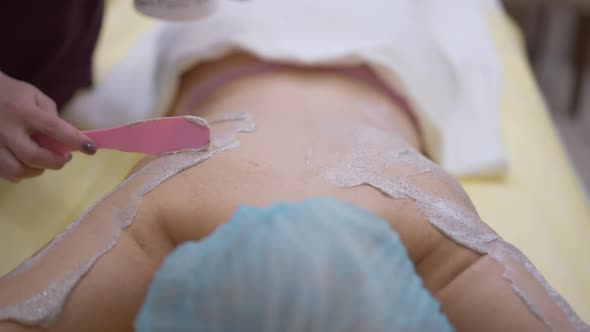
<point x="109" y="293"/>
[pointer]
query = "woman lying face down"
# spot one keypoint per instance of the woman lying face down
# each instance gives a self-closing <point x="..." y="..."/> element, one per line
<point x="287" y="135"/>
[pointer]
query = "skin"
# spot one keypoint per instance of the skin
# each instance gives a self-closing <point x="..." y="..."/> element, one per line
<point x="26" y="111"/>
<point x="269" y="166"/>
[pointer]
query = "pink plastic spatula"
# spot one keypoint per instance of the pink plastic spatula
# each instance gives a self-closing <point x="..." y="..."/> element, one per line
<point x="154" y="136"/>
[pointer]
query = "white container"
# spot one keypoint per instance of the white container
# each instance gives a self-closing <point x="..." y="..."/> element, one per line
<point x="176" y="10"/>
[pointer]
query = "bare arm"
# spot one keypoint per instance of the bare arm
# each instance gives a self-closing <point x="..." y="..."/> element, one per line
<point x="108" y="297"/>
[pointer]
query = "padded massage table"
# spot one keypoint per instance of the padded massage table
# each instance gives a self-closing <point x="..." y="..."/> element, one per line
<point x="538" y="205"/>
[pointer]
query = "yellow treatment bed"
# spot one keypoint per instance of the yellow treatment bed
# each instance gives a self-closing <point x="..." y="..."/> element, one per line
<point x="538" y="205"/>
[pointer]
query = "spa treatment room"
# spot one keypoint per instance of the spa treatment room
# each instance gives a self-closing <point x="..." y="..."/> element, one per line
<point x="294" y="165"/>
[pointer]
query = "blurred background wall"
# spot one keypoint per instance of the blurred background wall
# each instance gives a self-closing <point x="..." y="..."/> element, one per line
<point x="557" y="34"/>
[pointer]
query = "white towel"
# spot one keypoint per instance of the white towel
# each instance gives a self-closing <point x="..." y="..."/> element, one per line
<point x="438" y="53"/>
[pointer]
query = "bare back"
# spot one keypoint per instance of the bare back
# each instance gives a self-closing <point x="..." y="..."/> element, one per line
<point x="290" y="108"/>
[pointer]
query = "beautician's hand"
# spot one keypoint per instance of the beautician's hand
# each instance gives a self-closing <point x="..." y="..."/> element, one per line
<point x="25" y="111"/>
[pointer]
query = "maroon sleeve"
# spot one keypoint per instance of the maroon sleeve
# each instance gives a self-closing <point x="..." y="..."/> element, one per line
<point x="50" y="43"/>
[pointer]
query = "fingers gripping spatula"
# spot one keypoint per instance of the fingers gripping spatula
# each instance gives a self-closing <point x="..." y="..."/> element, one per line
<point x="154" y="136"/>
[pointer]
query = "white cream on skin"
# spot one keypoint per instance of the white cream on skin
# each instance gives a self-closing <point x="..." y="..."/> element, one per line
<point x="345" y="154"/>
<point x="351" y="154"/>
<point x="31" y="303"/>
